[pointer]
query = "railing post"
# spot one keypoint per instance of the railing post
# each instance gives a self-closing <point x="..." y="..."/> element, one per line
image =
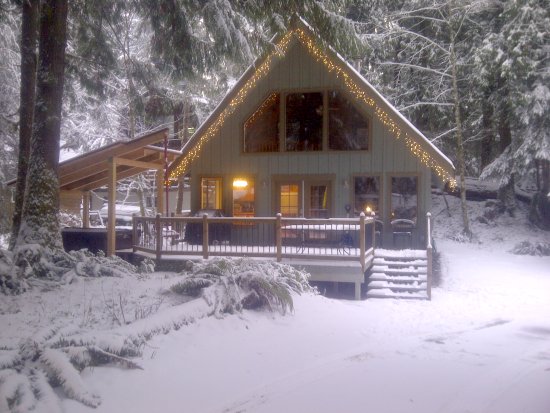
<point x="134" y="233"/>
<point x="158" y="230"/>
<point x="373" y="216"/>
<point x="205" y="236"/>
<point x="362" y="240"/>
<point x="278" y="237"/>
<point x="429" y="256"/>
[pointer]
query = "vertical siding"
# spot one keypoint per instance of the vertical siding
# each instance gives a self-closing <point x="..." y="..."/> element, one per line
<point x="223" y="156"/>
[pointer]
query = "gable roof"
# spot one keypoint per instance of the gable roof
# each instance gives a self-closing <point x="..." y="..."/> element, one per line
<point x="399" y="126"/>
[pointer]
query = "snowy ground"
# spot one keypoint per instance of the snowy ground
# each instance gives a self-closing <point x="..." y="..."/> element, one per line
<point x="481" y="345"/>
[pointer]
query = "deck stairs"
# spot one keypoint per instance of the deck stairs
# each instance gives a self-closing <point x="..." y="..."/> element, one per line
<point x="398" y="274"/>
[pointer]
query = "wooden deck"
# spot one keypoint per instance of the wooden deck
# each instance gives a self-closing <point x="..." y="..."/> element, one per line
<point x="334" y="250"/>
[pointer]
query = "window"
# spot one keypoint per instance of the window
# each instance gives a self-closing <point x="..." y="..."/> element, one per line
<point x="211" y="193"/>
<point x="318" y="207"/>
<point x="304" y="122"/>
<point x="261" y="130"/>
<point x="348" y="128"/>
<point x="289" y="200"/>
<point x="404" y="197"/>
<point x="243" y="198"/>
<point x="366" y="194"/>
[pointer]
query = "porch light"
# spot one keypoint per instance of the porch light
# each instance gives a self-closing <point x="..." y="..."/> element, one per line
<point x="240" y="183"/>
<point x="368" y="209"/>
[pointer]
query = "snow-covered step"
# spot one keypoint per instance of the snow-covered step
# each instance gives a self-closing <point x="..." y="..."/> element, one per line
<point x="391" y="294"/>
<point x="408" y="270"/>
<point x="396" y="286"/>
<point x="394" y="263"/>
<point x="400" y="254"/>
<point x="380" y="276"/>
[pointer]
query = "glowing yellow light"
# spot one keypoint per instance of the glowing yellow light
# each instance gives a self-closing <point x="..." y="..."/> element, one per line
<point x="240" y="183"/>
<point x="368" y="209"/>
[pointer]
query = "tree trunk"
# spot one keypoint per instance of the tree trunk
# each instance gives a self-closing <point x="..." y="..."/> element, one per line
<point x="459" y="144"/>
<point x="39" y="220"/>
<point x="488" y="135"/>
<point x="507" y="194"/>
<point x="29" y="37"/>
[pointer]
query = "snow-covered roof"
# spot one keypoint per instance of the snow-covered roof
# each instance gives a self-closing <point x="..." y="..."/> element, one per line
<point x="434" y="158"/>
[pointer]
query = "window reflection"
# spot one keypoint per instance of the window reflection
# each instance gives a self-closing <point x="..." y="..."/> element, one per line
<point x="348" y="128"/>
<point x="404" y="198"/>
<point x="304" y="122"/>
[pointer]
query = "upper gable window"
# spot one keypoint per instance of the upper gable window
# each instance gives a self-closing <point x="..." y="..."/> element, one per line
<point x="348" y="128"/>
<point x="261" y="130"/>
<point x="304" y="122"/>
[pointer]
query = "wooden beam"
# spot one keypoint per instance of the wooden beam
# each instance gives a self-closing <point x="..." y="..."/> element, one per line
<point x="139" y="164"/>
<point x="85" y="209"/>
<point x="111" y="214"/>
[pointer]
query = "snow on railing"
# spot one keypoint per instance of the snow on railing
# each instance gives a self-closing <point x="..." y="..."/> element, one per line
<point x="276" y="237"/>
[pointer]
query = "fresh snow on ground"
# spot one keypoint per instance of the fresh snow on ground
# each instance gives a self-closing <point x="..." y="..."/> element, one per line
<point x="481" y="345"/>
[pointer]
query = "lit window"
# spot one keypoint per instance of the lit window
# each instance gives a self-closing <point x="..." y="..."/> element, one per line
<point x="211" y="193"/>
<point x="366" y="194"/>
<point x="261" y="130"/>
<point x="304" y="122"/>
<point x="404" y="197"/>
<point x="243" y="198"/>
<point x="348" y="128"/>
<point x="289" y="195"/>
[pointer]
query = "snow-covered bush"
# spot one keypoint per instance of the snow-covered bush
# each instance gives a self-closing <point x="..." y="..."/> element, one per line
<point x="231" y="284"/>
<point x="531" y="248"/>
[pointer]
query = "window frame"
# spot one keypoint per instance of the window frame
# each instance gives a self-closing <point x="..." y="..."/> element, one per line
<point x="219" y="197"/>
<point x="325" y="133"/>
<point x="381" y="203"/>
<point x="390" y="197"/>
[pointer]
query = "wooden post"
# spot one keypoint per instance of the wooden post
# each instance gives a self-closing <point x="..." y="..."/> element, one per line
<point x="362" y="241"/>
<point x="373" y="216"/>
<point x="158" y="230"/>
<point x="205" y="236"/>
<point x="86" y="209"/>
<point x="111" y="211"/>
<point x="429" y="256"/>
<point x="160" y="192"/>
<point x="278" y="237"/>
<point x="135" y="237"/>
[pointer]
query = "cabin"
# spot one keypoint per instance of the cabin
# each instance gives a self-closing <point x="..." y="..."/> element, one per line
<point x="306" y="149"/>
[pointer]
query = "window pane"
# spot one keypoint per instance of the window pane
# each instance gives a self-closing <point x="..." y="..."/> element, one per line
<point x="211" y="193"/>
<point x="289" y="200"/>
<point x="318" y="201"/>
<point x="243" y="198"/>
<point x="261" y="130"/>
<point x="348" y="128"/>
<point x="304" y="122"/>
<point x="366" y="194"/>
<point x="404" y="197"/>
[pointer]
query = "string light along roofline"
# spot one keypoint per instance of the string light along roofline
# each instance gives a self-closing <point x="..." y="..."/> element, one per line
<point x="181" y="165"/>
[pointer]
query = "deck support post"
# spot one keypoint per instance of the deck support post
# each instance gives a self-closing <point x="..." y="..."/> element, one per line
<point x="158" y="230"/>
<point x="86" y="209"/>
<point x="111" y="208"/>
<point x="278" y="237"/>
<point x="205" y="236"/>
<point x="429" y="256"/>
<point x="357" y="290"/>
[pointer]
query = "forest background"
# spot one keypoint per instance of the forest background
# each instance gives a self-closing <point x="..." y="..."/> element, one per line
<point x="473" y="76"/>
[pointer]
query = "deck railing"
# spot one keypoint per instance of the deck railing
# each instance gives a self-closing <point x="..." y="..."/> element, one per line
<point x="276" y="237"/>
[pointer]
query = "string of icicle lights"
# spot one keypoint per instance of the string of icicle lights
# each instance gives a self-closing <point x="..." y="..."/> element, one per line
<point x="359" y="93"/>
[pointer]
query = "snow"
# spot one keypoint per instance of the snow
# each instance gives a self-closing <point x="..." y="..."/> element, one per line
<point x="481" y="345"/>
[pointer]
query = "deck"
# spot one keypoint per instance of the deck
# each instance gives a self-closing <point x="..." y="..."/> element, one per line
<point x="334" y="249"/>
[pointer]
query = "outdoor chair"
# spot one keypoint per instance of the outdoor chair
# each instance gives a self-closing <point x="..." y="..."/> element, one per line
<point x="402" y="229"/>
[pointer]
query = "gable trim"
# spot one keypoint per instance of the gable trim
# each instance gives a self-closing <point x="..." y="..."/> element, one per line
<point x="357" y="86"/>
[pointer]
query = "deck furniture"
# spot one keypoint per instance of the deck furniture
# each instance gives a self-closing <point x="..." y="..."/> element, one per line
<point x="403" y="229"/>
